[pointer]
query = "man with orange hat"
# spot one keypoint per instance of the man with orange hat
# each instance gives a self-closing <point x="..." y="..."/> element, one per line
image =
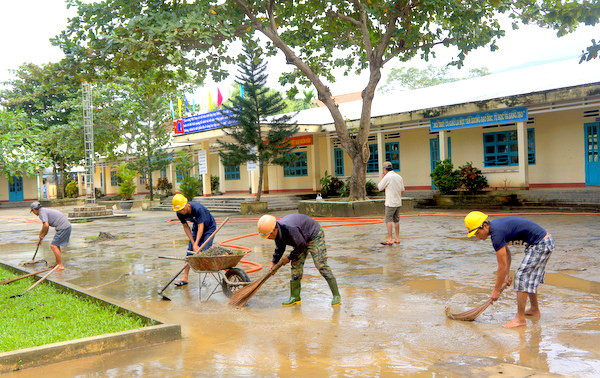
<point x="306" y="236"/>
<point x="538" y="247"/>
<point x="204" y="226"/>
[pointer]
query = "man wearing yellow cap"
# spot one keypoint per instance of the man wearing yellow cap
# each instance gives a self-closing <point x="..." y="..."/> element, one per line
<point x="203" y="227"/>
<point x="538" y="247"/>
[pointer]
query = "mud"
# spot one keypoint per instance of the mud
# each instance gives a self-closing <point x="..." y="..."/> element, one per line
<point x="391" y="320"/>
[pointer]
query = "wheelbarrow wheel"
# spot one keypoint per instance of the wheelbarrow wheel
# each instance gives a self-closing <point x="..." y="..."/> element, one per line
<point x="234" y="275"/>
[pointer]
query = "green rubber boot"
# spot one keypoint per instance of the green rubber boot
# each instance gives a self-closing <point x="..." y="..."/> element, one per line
<point x="294" y="294"/>
<point x="337" y="299"/>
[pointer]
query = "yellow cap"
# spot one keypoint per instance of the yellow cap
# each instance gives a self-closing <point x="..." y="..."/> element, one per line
<point x="473" y="221"/>
<point x="179" y="202"/>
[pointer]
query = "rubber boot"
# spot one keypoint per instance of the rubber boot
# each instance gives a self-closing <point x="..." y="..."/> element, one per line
<point x="337" y="299"/>
<point x="294" y="294"/>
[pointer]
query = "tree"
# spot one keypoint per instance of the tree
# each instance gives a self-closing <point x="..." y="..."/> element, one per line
<point x="190" y="183"/>
<point x="413" y="77"/>
<point x="315" y="37"/>
<point x="591" y="53"/>
<point x="20" y="148"/>
<point x="253" y="139"/>
<point x="141" y="110"/>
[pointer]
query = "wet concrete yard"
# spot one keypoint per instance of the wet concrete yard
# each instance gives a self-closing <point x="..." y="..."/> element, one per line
<point x="391" y="321"/>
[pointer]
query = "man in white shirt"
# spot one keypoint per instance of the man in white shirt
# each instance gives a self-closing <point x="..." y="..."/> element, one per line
<point x="393" y="185"/>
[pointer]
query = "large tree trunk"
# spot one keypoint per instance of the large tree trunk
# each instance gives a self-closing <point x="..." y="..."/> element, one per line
<point x="260" y="180"/>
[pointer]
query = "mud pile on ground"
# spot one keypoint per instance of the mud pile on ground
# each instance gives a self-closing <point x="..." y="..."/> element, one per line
<point x="218" y="251"/>
<point x="103" y="236"/>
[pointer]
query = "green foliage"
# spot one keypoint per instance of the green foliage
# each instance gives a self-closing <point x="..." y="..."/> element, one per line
<point x="253" y="140"/>
<point x="214" y="184"/>
<point x="330" y="185"/>
<point x="191" y="187"/>
<point x="371" y="188"/>
<point x="591" y="52"/>
<point x="184" y="162"/>
<point x="72" y="190"/>
<point x="127" y="177"/>
<point x="98" y="193"/>
<point x="47" y="315"/>
<point x="444" y="177"/>
<point x="471" y="178"/>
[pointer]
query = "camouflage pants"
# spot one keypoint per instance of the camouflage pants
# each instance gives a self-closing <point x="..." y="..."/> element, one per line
<point x="318" y="251"/>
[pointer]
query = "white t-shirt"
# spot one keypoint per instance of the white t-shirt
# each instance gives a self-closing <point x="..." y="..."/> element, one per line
<point x="394" y="186"/>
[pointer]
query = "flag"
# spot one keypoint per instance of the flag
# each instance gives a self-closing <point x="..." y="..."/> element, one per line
<point x="219" y="97"/>
<point x="194" y="106"/>
<point x="209" y="102"/>
<point x="172" y="109"/>
<point x="179" y="104"/>
<point x="241" y="91"/>
<point x="187" y="105"/>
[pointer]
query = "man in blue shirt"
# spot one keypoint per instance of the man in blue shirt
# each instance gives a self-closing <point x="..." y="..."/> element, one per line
<point x="539" y="245"/>
<point x="203" y="227"/>
<point x="306" y="236"/>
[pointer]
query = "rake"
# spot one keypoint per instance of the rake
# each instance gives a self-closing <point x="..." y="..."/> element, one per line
<point x="33" y="260"/>
<point x="471" y="315"/>
<point x="241" y="297"/>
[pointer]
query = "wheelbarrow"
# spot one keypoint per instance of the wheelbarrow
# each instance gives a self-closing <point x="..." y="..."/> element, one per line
<point x="221" y="268"/>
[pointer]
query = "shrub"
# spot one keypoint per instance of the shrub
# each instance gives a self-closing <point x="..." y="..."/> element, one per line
<point x="371" y="188"/>
<point x="190" y="187"/>
<point x="98" y="193"/>
<point x="330" y="185"/>
<point x="71" y="190"/>
<point x="164" y="187"/>
<point x="127" y="185"/>
<point x="444" y="177"/>
<point x="471" y="178"/>
<point x="214" y="184"/>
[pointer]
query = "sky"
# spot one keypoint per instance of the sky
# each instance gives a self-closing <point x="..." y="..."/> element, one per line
<point x="27" y="25"/>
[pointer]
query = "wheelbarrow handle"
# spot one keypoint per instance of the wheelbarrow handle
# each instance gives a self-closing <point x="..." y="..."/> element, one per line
<point x="171" y="258"/>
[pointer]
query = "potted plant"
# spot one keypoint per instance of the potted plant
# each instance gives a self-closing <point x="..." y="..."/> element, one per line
<point x="126" y="185"/>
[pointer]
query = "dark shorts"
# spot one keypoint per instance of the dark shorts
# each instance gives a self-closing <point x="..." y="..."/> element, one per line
<point x="392" y="214"/>
<point x="62" y="237"/>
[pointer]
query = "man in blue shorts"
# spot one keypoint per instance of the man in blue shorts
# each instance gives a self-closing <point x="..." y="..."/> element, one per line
<point x="539" y="245"/>
<point x="59" y="221"/>
<point x="204" y="226"/>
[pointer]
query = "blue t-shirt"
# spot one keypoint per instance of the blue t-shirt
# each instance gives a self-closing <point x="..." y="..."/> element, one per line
<point x="514" y="229"/>
<point x="295" y="230"/>
<point x="198" y="215"/>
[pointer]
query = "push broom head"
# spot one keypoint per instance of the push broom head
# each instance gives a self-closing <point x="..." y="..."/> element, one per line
<point x="241" y="297"/>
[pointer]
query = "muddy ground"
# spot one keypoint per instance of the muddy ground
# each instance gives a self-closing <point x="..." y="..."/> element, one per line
<point x="391" y="320"/>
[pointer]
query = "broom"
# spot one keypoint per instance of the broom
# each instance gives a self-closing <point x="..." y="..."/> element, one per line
<point x="242" y="296"/>
<point x="471" y="315"/>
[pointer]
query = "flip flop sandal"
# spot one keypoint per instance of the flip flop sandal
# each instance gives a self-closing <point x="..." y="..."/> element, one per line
<point x="181" y="283"/>
<point x="387" y="243"/>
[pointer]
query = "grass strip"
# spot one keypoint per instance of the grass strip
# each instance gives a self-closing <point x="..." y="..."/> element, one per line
<point x="47" y="315"/>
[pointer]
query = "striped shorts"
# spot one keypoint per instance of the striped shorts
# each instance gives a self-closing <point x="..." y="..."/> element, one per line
<point x="533" y="267"/>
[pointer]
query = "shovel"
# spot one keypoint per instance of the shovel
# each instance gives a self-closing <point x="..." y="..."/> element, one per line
<point x="164" y="297"/>
<point x="33" y="262"/>
<point x="35" y="284"/>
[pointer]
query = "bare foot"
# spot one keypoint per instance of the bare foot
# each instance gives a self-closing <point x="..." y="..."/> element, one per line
<point x="60" y="267"/>
<point x="515" y="323"/>
<point x="397" y="241"/>
<point x="531" y="312"/>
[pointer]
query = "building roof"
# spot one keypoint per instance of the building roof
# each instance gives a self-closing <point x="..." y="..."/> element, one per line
<point x="563" y="74"/>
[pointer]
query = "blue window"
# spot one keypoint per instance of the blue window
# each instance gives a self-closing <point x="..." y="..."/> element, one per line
<point x="338" y="157"/>
<point x="143" y="179"/>
<point x="179" y="174"/>
<point x="232" y="172"/>
<point x="114" y="179"/>
<point x="373" y="163"/>
<point x="299" y="167"/>
<point x="392" y="154"/>
<point x="501" y="149"/>
<point x="163" y="172"/>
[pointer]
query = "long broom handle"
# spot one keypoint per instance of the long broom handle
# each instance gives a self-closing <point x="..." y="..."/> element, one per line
<point x="24" y="276"/>
<point x="36" y="249"/>
<point x="201" y="247"/>
<point x="41" y="279"/>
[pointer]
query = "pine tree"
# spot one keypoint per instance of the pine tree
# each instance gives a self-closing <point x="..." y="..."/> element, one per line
<point x="256" y="137"/>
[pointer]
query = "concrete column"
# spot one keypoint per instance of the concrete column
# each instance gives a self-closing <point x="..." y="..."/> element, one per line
<point x="443" y="138"/>
<point x="206" y="177"/>
<point x="313" y="170"/>
<point x="380" y="150"/>
<point x="222" y="187"/>
<point x="254" y="176"/>
<point x="330" y="162"/>
<point x="523" y="155"/>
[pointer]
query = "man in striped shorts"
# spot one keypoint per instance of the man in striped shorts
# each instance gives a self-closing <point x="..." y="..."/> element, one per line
<point x="539" y="245"/>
